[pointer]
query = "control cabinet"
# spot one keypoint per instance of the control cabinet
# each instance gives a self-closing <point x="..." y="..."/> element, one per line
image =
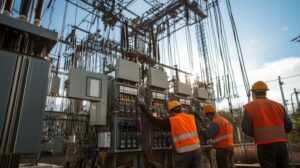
<point x="156" y="92"/>
<point x="160" y="139"/>
<point x="126" y="117"/>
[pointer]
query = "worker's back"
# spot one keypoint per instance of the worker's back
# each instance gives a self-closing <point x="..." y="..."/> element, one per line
<point x="224" y="137"/>
<point x="268" y="121"/>
<point x="184" y="132"/>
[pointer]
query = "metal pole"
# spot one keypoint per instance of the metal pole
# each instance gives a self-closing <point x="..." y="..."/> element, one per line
<point x="286" y="110"/>
<point x="282" y="94"/>
<point x="292" y="102"/>
<point x="297" y="98"/>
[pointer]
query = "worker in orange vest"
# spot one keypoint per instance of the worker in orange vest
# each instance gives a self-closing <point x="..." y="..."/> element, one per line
<point x="220" y="131"/>
<point x="184" y="135"/>
<point x="267" y="122"/>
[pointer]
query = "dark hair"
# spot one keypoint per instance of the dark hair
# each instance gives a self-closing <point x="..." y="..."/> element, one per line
<point x="176" y="109"/>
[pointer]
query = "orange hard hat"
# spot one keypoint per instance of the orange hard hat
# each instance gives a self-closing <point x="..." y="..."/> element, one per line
<point x="172" y="105"/>
<point x="259" y="86"/>
<point x="208" y="108"/>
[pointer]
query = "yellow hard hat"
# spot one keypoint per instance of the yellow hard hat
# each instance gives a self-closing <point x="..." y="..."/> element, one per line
<point x="208" y="108"/>
<point x="172" y="105"/>
<point x="259" y="86"/>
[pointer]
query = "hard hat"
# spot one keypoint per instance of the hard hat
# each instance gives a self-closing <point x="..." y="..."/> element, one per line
<point x="208" y="108"/>
<point x="172" y="105"/>
<point x="259" y="86"/>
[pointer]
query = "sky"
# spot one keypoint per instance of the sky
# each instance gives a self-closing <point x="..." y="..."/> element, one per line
<point x="265" y="29"/>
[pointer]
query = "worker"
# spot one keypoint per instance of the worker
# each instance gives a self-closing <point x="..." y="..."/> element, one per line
<point x="267" y="122"/>
<point x="220" y="130"/>
<point x="184" y="134"/>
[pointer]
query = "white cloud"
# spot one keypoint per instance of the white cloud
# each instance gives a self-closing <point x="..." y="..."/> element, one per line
<point x="269" y="72"/>
<point x="285" y="28"/>
<point x="253" y="41"/>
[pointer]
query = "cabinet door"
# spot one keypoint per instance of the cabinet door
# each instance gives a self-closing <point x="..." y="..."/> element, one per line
<point x="7" y="68"/>
<point x="33" y="106"/>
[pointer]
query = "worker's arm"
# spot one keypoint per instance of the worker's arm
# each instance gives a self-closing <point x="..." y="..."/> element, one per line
<point x="199" y="123"/>
<point x="212" y="131"/>
<point x="161" y="123"/>
<point x="288" y="124"/>
<point x="247" y="124"/>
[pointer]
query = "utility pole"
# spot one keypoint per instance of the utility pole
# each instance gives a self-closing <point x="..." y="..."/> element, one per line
<point x="297" y="98"/>
<point x="282" y="94"/>
<point x="292" y="102"/>
<point x="286" y="110"/>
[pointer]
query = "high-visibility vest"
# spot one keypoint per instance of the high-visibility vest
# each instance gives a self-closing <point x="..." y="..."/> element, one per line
<point x="268" y="121"/>
<point x="184" y="132"/>
<point x="224" y="137"/>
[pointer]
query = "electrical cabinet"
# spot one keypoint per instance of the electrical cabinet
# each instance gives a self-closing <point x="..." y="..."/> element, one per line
<point x="201" y="93"/>
<point x="182" y="88"/>
<point x="90" y="86"/>
<point x="87" y="85"/>
<point x="157" y="78"/>
<point x="127" y="70"/>
<point x="127" y="117"/>
<point x="23" y="91"/>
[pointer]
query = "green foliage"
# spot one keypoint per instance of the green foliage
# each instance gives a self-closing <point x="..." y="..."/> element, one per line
<point x="295" y="134"/>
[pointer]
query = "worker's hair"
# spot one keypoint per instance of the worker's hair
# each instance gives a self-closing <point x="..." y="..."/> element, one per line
<point x="176" y="109"/>
<point x="261" y="93"/>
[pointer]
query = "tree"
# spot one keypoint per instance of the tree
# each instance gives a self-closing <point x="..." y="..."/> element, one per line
<point x="295" y="134"/>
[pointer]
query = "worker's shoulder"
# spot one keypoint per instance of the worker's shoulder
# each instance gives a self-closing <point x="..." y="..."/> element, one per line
<point x="275" y="102"/>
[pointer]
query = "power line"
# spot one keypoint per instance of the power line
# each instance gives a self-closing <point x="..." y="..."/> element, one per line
<point x="275" y="80"/>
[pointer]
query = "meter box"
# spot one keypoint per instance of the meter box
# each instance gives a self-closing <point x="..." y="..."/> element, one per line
<point x="127" y="70"/>
<point x="182" y="88"/>
<point x="200" y="93"/>
<point x="87" y="85"/>
<point x="104" y="139"/>
<point x="157" y="78"/>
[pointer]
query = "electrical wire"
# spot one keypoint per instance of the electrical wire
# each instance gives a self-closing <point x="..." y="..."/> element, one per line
<point x="239" y="50"/>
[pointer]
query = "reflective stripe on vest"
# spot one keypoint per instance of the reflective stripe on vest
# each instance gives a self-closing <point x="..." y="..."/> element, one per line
<point x="188" y="148"/>
<point x="185" y="136"/>
<point x="269" y="132"/>
<point x="184" y="132"/>
<point x="220" y="138"/>
<point x="268" y="121"/>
